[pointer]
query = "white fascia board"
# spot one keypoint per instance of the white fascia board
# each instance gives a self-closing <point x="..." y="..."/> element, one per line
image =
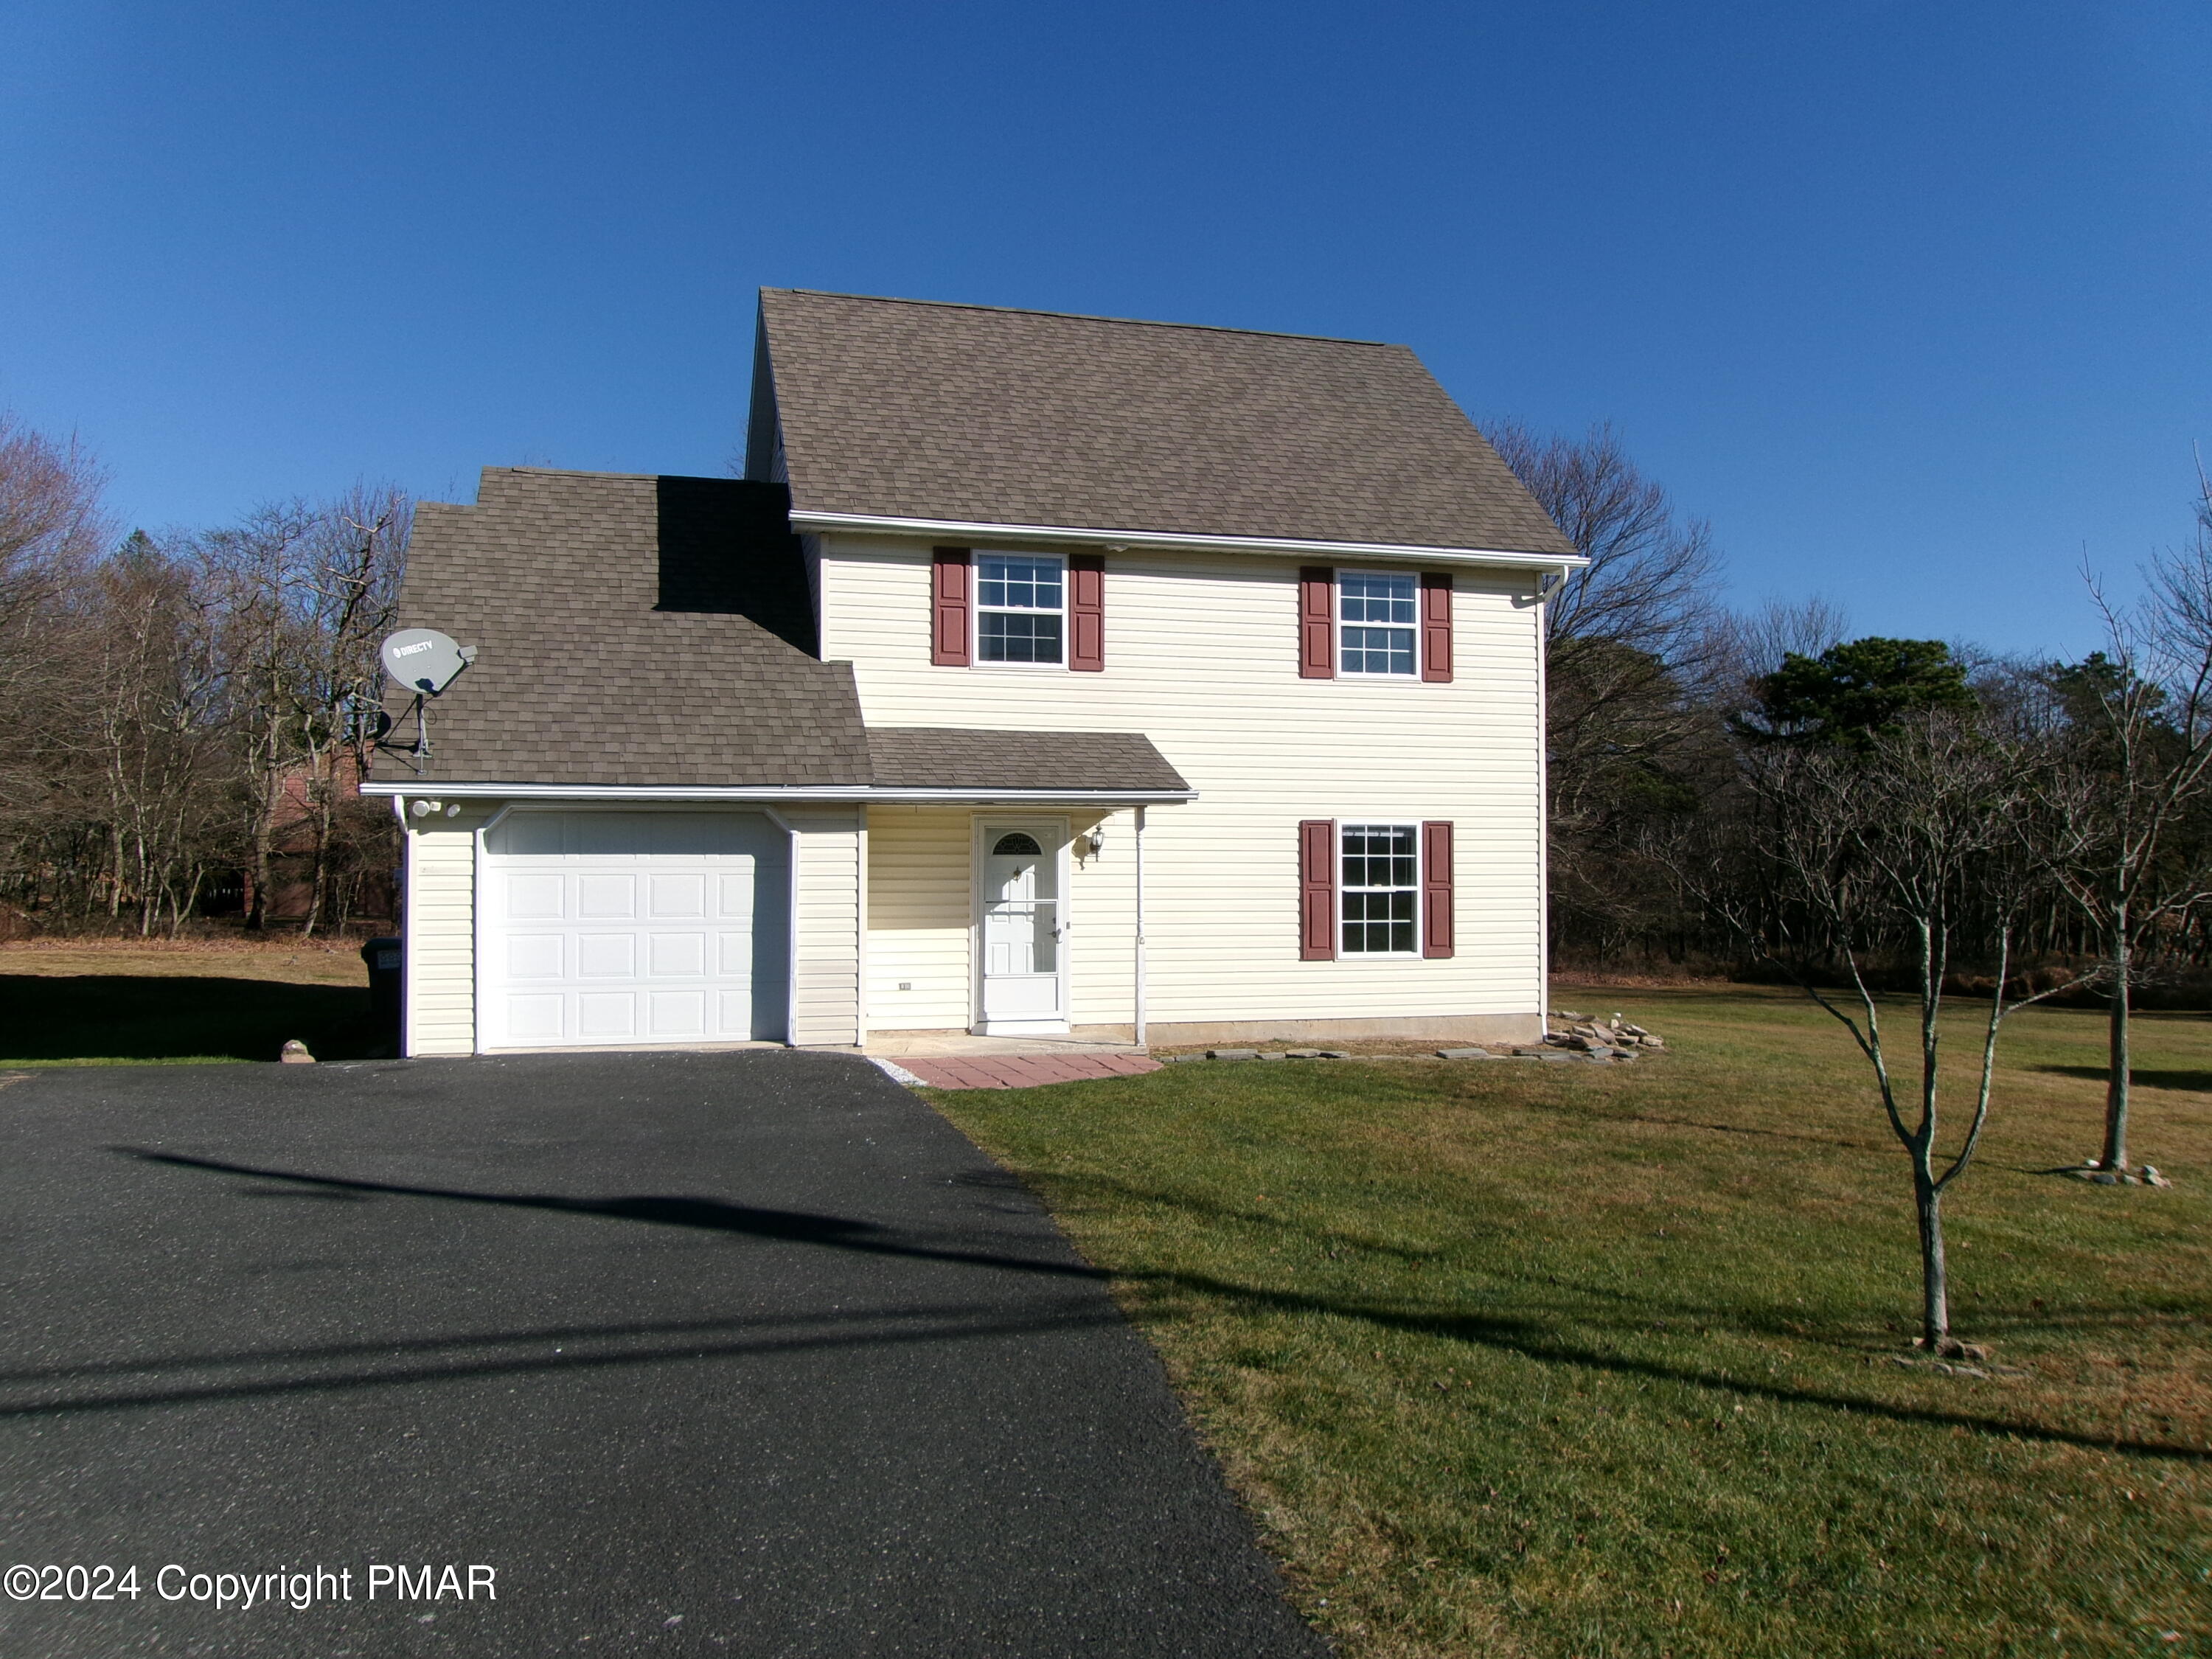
<point x="1062" y="535"/>
<point x="861" y="794"/>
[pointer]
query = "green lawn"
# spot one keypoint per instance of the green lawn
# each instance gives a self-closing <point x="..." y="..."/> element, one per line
<point x="1524" y="1358"/>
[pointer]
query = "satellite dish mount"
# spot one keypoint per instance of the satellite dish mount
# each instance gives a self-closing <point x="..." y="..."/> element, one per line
<point x="426" y="662"/>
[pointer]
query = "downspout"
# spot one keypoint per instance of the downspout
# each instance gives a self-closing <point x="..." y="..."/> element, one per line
<point x="1546" y="586"/>
<point x="1140" y="927"/>
<point x="406" y="919"/>
<point x="860" y="938"/>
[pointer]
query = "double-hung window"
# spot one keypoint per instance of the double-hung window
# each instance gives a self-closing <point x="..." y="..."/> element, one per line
<point x="1375" y="619"/>
<point x="1021" y="608"/>
<point x="1379" y="888"/>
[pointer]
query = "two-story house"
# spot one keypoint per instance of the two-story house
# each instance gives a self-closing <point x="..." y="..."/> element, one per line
<point x="1044" y="674"/>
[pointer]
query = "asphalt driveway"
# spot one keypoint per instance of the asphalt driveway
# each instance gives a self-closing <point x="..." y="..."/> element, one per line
<point x="744" y="1353"/>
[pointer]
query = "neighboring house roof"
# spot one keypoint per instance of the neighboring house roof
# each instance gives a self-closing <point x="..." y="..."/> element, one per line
<point x="951" y="757"/>
<point x="644" y="633"/>
<point x="913" y="410"/>
<point x="631" y="630"/>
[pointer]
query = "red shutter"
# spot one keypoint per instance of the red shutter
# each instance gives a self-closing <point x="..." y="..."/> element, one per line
<point x="948" y="639"/>
<point x="1086" y="612"/>
<point x="1316" y="890"/>
<point x="1316" y="622"/>
<point x="1436" y="628"/>
<point x="1436" y="889"/>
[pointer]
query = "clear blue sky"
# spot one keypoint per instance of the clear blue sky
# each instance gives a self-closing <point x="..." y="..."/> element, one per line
<point x="1912" y="300"/>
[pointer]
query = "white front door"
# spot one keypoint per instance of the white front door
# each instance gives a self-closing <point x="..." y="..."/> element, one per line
<point x="1022" y="927"/>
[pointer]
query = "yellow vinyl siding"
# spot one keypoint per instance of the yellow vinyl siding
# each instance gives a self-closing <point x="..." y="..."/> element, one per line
<point x="921" y="898"/>
<point x="1201" y="656"/>
<point x="441" y="926"/>
<point x="826" y="868"/>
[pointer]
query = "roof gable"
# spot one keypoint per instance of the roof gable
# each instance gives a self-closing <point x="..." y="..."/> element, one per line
<point x="911" y="409"/>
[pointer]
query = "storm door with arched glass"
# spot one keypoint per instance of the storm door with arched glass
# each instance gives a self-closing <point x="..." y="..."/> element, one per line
<point x="1021" y="926"/>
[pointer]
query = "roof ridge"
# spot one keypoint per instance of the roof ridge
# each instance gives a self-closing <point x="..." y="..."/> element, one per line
<point x="571" y="471"/>
<point x="1091" y="317"/>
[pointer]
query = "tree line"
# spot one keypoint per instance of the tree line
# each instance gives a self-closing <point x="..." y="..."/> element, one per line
<point x="188" y="711"/>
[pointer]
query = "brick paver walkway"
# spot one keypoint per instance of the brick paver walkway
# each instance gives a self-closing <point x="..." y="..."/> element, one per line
<point x="1022" y="1071"/>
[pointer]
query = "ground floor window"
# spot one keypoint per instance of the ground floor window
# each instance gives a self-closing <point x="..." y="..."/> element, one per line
<point x="1379" y="888"/>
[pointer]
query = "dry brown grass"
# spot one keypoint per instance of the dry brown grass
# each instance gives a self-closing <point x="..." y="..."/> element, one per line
<point x="291" y="961"/>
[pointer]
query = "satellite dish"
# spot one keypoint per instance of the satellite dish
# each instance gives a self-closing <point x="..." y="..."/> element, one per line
<point x="423" y="660"/>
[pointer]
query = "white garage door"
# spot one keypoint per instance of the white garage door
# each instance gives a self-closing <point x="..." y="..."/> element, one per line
<point x="607" y="928"/>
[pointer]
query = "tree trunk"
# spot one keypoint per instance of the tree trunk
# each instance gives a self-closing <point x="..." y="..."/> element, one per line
<point x="1934" y="1276"/>
<point x="256" y="911"/>
<point x="2115" y="1156"/>
<point x="326" y="791"/>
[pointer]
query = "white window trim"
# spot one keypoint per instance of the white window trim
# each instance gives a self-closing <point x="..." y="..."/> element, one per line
<point x="1337" y="891"/>
<point x="1337" y="625"/>
<point x="975" y="659"/>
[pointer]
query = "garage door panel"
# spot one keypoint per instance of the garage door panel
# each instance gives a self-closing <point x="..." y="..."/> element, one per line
<point x="537" y="898"/>
<point x="614" y="927"/>
<point x="606" y="1016"/>
<point x="735" y="958"/>
<point x="606" y="955"/>
<point x="677" y="1014"/>
<point x="678" y="955"/>
<point x="535" y="1019"/>
<point x="605" y="897"/>
<point x="733" y="896"/>
<point x="679" y="896"/>
<point x="536" y="956"/>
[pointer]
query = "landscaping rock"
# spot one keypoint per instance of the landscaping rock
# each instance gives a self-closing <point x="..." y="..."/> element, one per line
<point x="1232" y="1054"/>
<point x="2153" y="1178"/>
<point x="296" y="1053"/>
<point x="1304" y="1054"/>
<point x="1274" y="1056"/>
<point x="1332" y="1053"/>
<point x="1465" y="1054"/>
<point x="1634" y="1032"/>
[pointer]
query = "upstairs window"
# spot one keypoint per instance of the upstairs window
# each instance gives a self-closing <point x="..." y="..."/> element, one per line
<point x="1021" y="609"/>
<point x="1379" y="888"/>
<point x="1376" y="618"/>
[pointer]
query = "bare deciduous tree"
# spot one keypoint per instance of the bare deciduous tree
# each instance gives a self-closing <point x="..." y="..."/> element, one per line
<point x="1894" y="850"/>
<point x="1629" y="640"/>
<point x="2133" y="729"/>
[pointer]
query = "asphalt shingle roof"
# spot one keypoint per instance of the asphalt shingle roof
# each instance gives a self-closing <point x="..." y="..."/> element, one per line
<point x="948" y="757"/>
<point x="609" y="612"/>
<point x="911" y="409"/>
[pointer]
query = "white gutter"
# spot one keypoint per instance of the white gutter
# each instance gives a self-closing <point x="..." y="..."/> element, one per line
<point x="770" y="794"/>
<point x="968" y="533"/>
